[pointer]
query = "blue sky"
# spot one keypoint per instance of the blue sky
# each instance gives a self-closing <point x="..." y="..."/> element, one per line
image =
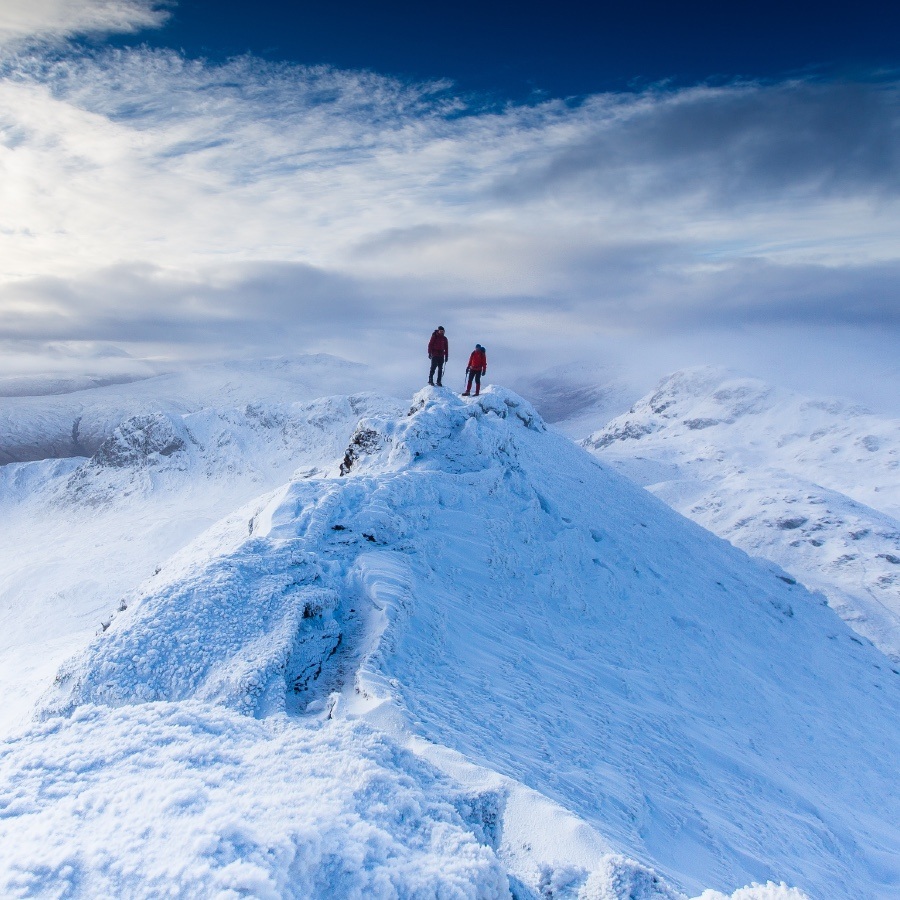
<point x="655" y="187"/>
<point x="565" y="48"/>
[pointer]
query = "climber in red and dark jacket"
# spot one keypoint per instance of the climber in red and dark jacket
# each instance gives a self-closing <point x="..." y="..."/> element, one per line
<point x="476" y="368"/>
<point x="438" y="353"/>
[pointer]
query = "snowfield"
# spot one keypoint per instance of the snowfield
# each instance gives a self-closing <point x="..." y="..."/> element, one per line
<point x="812" y="485"/>
<point x="436" y="651"/>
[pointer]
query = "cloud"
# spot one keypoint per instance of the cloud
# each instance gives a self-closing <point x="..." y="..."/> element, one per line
<point x="28" y="20"/>
<point x="148" y="199"/>
<point x="265" y="308"/>
<point x="758" y="291"/>
<point x="727" y="146"/>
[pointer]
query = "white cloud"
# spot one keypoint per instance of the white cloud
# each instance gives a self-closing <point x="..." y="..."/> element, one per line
<point x="257" y="204"/>
<point x="116" y="154"/>
<point x="23" y="20"/>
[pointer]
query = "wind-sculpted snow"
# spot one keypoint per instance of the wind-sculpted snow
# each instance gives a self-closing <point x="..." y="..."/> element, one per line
<point x="482" y="590"/>
<point x="261" y="616"/>
<point x="221" y="633"/>
<point x="77" y="535"/>
<point x="190" y="800"/>
<point x="811" y="485"/>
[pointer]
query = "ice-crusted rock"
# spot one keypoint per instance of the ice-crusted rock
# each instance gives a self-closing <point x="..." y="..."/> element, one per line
<point x="364" y="441"/>
<point x="142" y="441"/>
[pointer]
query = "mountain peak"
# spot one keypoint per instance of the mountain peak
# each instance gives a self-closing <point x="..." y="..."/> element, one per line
<point x="442" y="430"/>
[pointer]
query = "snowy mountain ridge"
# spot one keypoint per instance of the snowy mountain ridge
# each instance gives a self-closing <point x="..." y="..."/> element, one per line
<point x="812" y="485"/>
<point x="76" y="535"/>
<point x="476" y="664"/>
<point x="292" y="570"/>
<point x="78" y="422"/>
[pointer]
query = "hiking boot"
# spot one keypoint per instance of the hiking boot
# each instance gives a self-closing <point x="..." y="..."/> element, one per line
<point x="466" y="394"/>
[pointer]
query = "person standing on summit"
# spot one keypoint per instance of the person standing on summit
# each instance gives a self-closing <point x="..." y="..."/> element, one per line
<point x="438" y="353"/>
<point x="476" y="368"/>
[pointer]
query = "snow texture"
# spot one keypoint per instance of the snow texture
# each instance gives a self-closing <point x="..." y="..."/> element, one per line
<point x="189" y="800"/>
<point x="461" y="659"/>
<point x="812" y="485"/>
<point x="77" y="535"/>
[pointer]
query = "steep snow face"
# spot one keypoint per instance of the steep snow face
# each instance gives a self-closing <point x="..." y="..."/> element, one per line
<point x="78" y="422"/>
<point x="77" y="535"/>
<point x="478" y="587"/>
<point x="812" y="485"/>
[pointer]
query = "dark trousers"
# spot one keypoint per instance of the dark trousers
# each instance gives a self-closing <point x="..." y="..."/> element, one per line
<point x="476" y="374"/>
<point x="437" y="365"/>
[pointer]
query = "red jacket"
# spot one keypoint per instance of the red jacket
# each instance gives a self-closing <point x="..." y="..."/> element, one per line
<point x="438" y="345"/>
<point x="478" y="361"/>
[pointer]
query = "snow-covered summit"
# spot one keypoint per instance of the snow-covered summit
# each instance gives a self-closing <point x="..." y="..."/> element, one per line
<point x="579" y="671"/>
<point x="379" y="446"/>
<point x="811" y="484"/>
<point x="850" y="450"/>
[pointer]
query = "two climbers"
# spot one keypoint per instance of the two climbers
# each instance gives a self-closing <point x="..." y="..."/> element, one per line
<point x="439" y="353"/>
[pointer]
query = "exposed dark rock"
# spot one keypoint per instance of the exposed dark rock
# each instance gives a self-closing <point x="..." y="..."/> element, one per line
<point x="139" y="441"/>
<point x="630" y="431"/>
<point x="364" y="441"/>
<point x="790" y="523"/>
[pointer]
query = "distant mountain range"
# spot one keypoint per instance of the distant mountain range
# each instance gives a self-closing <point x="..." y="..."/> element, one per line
<point x="75" y="417"/>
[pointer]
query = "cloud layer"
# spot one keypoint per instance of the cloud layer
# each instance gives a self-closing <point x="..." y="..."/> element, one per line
<point x="149" y="198"/>
<point x="28" y="20"/>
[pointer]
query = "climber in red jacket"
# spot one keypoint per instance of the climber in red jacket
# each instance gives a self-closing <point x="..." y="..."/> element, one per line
<point x="476" y="368"/>
<point x="438" y="353"/>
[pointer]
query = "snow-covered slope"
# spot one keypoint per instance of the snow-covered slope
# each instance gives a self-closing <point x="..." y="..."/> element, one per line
<point x="812" y="485"/>
<point x="479" y="664"/>
<point x="78" y="534"/>
<point x="77" y="422"/>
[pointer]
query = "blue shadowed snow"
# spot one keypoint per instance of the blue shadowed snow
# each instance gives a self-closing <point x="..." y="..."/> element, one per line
<point x="480" y="589"/>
